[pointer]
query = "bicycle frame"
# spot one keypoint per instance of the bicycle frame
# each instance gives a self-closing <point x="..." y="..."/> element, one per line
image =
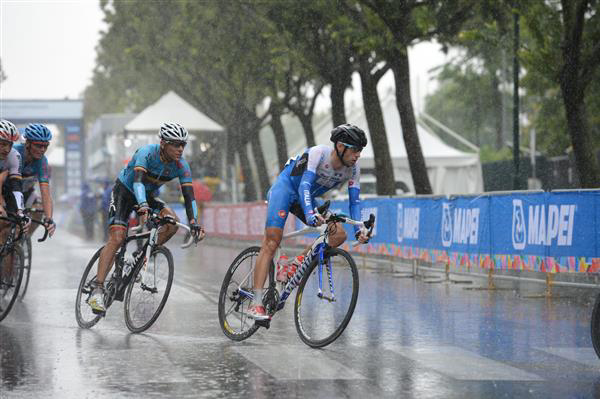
<point x="317" y="249"/>
<point x="151" y="243"/>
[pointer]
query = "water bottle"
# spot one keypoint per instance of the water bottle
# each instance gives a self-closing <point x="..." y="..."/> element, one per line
<point x="281" y="270"/>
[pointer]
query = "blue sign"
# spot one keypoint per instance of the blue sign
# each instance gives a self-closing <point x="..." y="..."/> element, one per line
<point x="564" y="223"/>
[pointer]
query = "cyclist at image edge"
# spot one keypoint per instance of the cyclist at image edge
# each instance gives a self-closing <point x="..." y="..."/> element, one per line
<point x="10" y="175"/>
<point x="149" y="168"/>
<point x="34" y="168"/>
<point x="318" y="170"/>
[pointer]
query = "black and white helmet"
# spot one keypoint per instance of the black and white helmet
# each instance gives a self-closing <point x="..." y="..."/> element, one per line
<point x="173" y="132"/>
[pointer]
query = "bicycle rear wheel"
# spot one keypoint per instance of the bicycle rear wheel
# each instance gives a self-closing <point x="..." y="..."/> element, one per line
<point x="595" y="326"/>
<point x="148" y="290"/>
<point x="11" y="274"/>
<point x="320" y="319"/>
<point x="234" y="297"/>
<point x="26" y="245"/>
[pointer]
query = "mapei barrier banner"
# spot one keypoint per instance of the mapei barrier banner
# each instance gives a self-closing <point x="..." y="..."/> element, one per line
<point x="539" y="231"/>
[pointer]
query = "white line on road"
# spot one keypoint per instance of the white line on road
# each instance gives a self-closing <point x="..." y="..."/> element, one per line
<point x="460" y="364"/>
<point x="585" y="356"/>
<point x="296" y="363"/>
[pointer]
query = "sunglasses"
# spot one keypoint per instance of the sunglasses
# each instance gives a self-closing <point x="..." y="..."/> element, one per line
<point x="40" y="145"/>
<point x="181" y="144"/>
<point x="353" y="147"/>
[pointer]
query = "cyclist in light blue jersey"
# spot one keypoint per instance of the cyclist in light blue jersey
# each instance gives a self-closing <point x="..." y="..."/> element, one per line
<point x="151" y="166"/>
<point x="311" y="174"/>
<point x="34" y="168"/>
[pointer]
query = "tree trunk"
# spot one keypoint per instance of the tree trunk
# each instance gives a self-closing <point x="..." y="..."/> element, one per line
<point x="338" y="108"/>
<point x="384" y="169"/>
<point x="306" y="122"/>
<point x="249" y="190"/>
<point x="573" y="86"/>
<point x="573" y="98"/>
<point x="261" y="166"/>
<point x="416" y="160"/>
<point x="279" y="133"/>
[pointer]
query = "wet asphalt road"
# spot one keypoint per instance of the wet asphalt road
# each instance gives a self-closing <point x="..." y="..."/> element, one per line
<point x="407" y="339"/>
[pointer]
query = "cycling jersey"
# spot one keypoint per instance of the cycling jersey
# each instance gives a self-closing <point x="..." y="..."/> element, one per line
<point x="305" y="177"/>
<point x="36" y="170"/>
<point x="12" y="164"/>
<point x="156" y="173"/>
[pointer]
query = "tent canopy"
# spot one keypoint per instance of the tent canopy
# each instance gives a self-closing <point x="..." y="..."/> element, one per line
<point x="450" y="170"/>
<point x="171" y="108"/>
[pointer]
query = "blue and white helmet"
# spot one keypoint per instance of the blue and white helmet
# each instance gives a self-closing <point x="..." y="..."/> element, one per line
<point x="173" y="132"/>
<point x="37" y="132"/>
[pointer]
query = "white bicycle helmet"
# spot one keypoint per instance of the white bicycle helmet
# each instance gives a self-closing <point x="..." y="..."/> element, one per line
<point x="8" y="131"/>
<point x="173" y="132"/>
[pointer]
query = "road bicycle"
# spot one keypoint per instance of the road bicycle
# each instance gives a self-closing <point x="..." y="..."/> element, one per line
<point x="327" y="281"/>
<point x="12" y="263"/>
<point x="141" y="279"/>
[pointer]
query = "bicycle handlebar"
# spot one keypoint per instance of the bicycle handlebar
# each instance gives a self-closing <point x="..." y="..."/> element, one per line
<point x="16" y="219"/>
<point x="162" y="220"/>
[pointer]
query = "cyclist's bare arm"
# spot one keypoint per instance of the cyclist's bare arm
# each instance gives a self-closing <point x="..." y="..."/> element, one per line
<point x="46" y="200"/>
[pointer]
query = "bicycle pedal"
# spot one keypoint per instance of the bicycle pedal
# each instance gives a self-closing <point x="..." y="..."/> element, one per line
<point x="263" y="323"/>
<point x="99" y="312"/>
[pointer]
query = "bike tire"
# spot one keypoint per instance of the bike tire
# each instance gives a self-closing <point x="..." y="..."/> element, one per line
<point x="27" y="254"/>
<point x="595" y="326"/>
<point x="231" y="305"/>
<point x="9" y="295"/>
<point x="133" y="310"/>
<point x="83" y="313"/>
<point x="312" y="313"/>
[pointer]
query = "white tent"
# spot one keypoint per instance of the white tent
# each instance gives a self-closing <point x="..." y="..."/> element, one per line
<point x="450" y="171"/>
<point x="171" y="108"/>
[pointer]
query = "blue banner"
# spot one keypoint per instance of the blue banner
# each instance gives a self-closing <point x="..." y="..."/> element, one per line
<point x="555" y="224"/>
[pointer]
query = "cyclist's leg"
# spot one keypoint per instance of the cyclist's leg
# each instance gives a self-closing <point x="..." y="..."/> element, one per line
<point x="122" y="202"/>
<point x="169" y="230"/>
<point x="11" y="207"/>
<point x="280" y="198"/>
<point x="337" y="235"/>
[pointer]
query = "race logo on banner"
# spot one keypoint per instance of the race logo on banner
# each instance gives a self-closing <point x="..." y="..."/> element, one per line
<point x="460" y="225"/>
<point x="407" y="224"/>
<point x="546" y="225"/>
<point x="446" y="225"/>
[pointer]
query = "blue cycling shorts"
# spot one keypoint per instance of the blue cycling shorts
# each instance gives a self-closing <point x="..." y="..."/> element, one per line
<point x="280" y="199"/>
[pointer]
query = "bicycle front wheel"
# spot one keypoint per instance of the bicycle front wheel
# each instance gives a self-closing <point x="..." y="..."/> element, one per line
<point x="595" y="326"/>
<point x="326" y="298"/>
<point x="11" y="274"/>
<point x="234" y="297"/>
<point x="83" y="313"/>
<point x="148" y="290"/>
<point x="26" y="245"/>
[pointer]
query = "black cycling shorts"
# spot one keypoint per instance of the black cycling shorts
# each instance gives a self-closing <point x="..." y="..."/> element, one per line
<point x="123" y="201"/>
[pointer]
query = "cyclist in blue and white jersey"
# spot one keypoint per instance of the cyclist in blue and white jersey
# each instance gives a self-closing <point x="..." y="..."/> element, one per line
<point x="311" y="174"/>
<point x="34" y="168"/>
<point x="10" y="175"/>
<point x="150" y="167"/>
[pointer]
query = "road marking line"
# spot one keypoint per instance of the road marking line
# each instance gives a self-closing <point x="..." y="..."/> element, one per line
<point x="296" y="363"/>
<point x="461" y="364"/>
<point x="585" y="356"/>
